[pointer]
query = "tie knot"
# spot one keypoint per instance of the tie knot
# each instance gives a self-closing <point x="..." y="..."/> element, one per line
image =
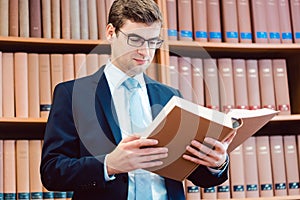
<point x="131" y="84"/>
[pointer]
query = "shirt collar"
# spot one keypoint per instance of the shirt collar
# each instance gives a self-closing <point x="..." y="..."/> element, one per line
<point x="116" y="77"/>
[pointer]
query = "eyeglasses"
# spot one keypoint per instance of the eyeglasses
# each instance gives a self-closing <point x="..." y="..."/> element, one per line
<point x="137" y="41"/>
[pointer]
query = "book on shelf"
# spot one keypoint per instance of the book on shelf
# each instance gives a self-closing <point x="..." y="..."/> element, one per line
<point x="223" y="190"/>
<point x="174" y="72"/>
<point x="295" y="15"/>
<point x="33" y="86"/>
<point x="240" y="83"/>
<point x="56" y="18"/>
<point x="84" y="20"/>
<point x="259" y="21"/>
<point x="197" y="81"/>
<point x="92" y="15"/>
<point x="272" y="19"/>
<point x="182" y="121"/>
<point x="192" y="191"/>
<point x="75" y="19"/>
<point x="214" y="21"/>
<point x="101" y="15"/>
<point x="68" y="67"/>
<point x="46" y="19"/>
<point x="185" y="20"/>
<point x="285" y="21"/>
<point x="244" y="21"/>
<point x="4" y="17"/>
<point x="91" y="63"/>
<point x="185" y="77"/>
<point x="9" y="169"/>
<point x="13" y="18"/>
<point x="1" y="168"/>
<point x="253" y="87"/>
<point x="65" y="19"/>
<point x="172" y="19"/>
<point x="35" y="18"/>
<point x="22" y="168"/>
<point x="200" y="20"/>
<point x="230" y="21"/>
<point x="209" y="193"/>
<point x="24" y="18"/>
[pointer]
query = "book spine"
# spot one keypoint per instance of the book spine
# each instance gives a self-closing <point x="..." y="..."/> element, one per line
<point x="14" y="18"/>
<point x="192" y="191"/>
<point x="209" y="193"/>
<point x="75" y="19"/>
<point x="24" y="18"/>
<point x="197" y="81"/>
<point x="4" y="18"/>
<point x="9" y="166"/>
<point x="1" y="170"/>
<point x="253" y="84"/>
<point x="91" y="63"/>
<point x="285" y="21"/>
<point x="56" y="66"/>
<point x="200" y="20"/>
<point x="68" y="67"/>
<point x="80" y="65"/>
<point x="33" y="85"/>
<point x="272" y="17"/>
<point x="282" y="96"/>
<point x="46" y="19"/>
<point x="223" y="190"/>
<point x="84" y="20"/>
<point x="92" y="18"/>
<point x="227" y="100"/>
<point x="185" y="77"/>
<point x="172" y="19"/>
<point x="101" y="15"/>
<point x="55" y="16"/>
<point x="230" y="21"/>
<point x="35" y="18"/>
<point x="185" y="20"/>
<point x="65" y="19"/>
<point x="214" y="21"/>
<point x="295" y="15"/>
<point x="244" y="21"/>
<point x="259" y="21"/>
<point x="174" y="72"/>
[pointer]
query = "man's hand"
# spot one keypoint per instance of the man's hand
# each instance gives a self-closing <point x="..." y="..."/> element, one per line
<point x="211" y="153"/>
<point x="129" y="155"/>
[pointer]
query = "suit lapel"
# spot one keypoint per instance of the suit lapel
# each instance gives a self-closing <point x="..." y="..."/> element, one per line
<point x="107" y="108"/>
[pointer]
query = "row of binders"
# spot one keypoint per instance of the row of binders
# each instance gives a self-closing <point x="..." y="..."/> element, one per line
<point x="66" y="19"/>
<point x="244" y="21"/>
<point x="19" y="172"/>
<point x="225" y="83"/>
<point x="263" y="166"/>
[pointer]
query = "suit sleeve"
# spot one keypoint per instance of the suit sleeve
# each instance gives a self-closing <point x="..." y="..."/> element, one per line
<point x="62" y="165"/>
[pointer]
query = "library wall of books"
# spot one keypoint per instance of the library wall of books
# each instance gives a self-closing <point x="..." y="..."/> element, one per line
<point x="221" y="54"/>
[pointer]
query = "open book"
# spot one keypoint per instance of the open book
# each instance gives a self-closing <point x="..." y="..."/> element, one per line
<point x="181" y="121"/>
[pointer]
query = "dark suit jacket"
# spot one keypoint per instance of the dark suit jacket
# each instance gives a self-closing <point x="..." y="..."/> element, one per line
<point x="82" y="128"/>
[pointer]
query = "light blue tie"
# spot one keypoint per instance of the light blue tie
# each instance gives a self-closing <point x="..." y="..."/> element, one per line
<point x="138" y="124"/>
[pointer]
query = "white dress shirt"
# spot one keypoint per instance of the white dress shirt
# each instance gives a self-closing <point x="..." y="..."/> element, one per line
<point x="115" y="78"/>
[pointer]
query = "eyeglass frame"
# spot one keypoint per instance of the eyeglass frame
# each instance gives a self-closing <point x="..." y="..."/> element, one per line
<point x="157" y="39"/>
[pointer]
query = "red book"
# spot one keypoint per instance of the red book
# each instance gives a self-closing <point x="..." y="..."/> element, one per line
<point x="200" y="20"/>
<point x="259" y="21"/>
<point x="172" y="19"/>
<point x="185" y="19"/>
<point x="295" y="15"/>
<point x="244" y="21"/>
<point x="214" y="21"/>
<point x="226" y="84"/>
<point x="266" y="83"/>
<point x="285" y="21"/>
<point x="185" y="77"/>
<point x="230" y="21"/>
<point x="281" y="86"/>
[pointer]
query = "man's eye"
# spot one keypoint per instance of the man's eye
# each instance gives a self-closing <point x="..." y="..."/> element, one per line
<point x="136" y="39"/>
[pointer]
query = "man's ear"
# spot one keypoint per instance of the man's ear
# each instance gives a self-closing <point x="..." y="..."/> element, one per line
<point x="110" y="32"/>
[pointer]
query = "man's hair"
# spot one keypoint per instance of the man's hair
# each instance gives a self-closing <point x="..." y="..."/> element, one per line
<point x="139" y="11"/>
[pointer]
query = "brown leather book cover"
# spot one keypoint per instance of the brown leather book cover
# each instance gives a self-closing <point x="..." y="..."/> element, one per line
<point x="92" y="18"/>
<point x="102" y="19"/>
<point x="244" y="21"/>
<point x="278" y="165"/>
<point x="236" y="167"/>
<point x="14" y="18"/>
<point x="214" y="21"/>
<point x="1" y="168"/>
<point x="253" y="87"/>
<point x="84" y="20"/>
<point x="33" y="85"/>
<point x="21" y="84"/>
<point x="240" y="83"/>
<point x="259" y="21"/>
<point x="24" y="18"/>
<point x="211" y="84"/>
<point x="9" y="166"/>
<point x="185" y="22"/>
<point x="185" y="77"/>
<point x="230" y="21"/>
<point x="65" y="19"/>
<point x="281" y="86"/>
<point x="295" y="15"/>
<point x="197" y="81"/>
<point x="200" y="20"/>
<point x="266" y="83"/>
<point x="250" y="168"/>
<point x="264" y="166"/>
<point x="226" y="84"/>
<point x="35" y="18"/>
<point x="209" y="193"/>
<point x="285" y="21"/>
<point x="75" y="19"/>
<point x="223" y="190"/>
<point x="272" y="14"/>
<point x="22" y="165"/>
<point x="80" y="65"/>
<point x="174" y="72"/>
<point x="56" y="66"/>
<point x="46" y="19"/>
<point x="91" y="63"/>
<point x="35" y="151"/>
<point x="181" y="121"/>
<point x="172" y="19"/>
<point x="55" y="18"/>
<point x="291" y="162"/>
<point x="45" y="85"/>
<point x="9" y="86"/>
<point x="192" y="191"/>
<point x="4" y="17"/>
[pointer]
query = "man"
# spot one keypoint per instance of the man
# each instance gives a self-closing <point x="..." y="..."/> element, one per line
<point x="91" y="146"/>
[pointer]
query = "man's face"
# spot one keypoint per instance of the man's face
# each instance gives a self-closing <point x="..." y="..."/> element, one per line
<point x="131" y="59"/>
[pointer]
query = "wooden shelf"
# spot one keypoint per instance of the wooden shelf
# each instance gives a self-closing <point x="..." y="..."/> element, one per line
<point x="273" y="198"/>
<point x="45" y="45"/>
<point x="234" y="50"/>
